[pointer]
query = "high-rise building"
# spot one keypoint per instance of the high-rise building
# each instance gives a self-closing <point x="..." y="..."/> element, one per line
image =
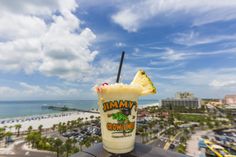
<point x="185" y="99"/>
<point x="184" y="95"/>
<point x="230" y="100"/>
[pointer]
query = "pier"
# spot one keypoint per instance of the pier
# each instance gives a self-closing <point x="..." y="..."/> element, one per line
<point x="65" y="108"/>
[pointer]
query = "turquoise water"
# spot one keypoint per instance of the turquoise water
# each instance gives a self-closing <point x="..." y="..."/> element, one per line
<point x="9" y="109"/>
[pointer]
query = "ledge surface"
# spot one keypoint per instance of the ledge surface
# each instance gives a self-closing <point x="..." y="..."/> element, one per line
<point x="139" y="151"/>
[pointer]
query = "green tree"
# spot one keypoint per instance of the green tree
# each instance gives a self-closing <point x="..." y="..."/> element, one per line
<point x="217" y="124"/>
<point x="62" y="128"/>
<point x="201" y="123"/>
<point x="171" y="119"/>
<point x="58" y="144"/>
<point x="33" y="138"/>
<point x="73" y="141"/>
<point x="54" y="127"/>
<point x="183" y="139"/>
<point x="40" y="128"/>
<point x="210" y="125"/>
<point x="10" y="127"/>
<point x="161" y="125"/>
<point x="2" y="133"/>
<point x="192" y="128"/>
<point x="143" y="135"/>
<point x="30" y="128"/>
<point x="146" y="135"/>
<point x="18" y="127"/>
<point x="87" y="142"/>
<point x="81" y="143"/>
<point x="181" y="149"/>
<point x="68" y="146"/>
<point x="186" y="131"/>
<point x="8" y="136"/>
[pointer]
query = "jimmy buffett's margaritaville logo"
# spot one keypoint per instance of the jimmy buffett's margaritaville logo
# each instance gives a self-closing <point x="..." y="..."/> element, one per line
<point x="123" y="116"/>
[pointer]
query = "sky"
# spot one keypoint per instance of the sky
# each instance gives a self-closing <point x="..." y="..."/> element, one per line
<point x="59" y="49"/>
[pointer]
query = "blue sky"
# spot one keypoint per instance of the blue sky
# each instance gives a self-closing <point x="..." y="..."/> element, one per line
<point x="60" y="49"/>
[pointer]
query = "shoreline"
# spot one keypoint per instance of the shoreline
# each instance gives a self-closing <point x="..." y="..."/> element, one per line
<point x="149" y="105"/>
<point x="59" y="112"/>
<point x="47" y="120"/>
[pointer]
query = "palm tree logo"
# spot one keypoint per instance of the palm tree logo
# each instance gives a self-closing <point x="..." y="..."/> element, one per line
<point x="122" y="118"/>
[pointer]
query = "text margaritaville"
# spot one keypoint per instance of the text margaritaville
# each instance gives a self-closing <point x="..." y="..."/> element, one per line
<point x="118" y="104"/>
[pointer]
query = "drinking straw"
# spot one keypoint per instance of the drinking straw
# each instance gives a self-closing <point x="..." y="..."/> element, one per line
<point x="121" y="62"/>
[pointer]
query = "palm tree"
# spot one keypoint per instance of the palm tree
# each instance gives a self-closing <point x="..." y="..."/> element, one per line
<point x="208" y="123"/>
<point x="192" y="129"/>
<point x="58" y="143"/>
<point x="40" y="128"/>
<point x="161" y="126"/>
<point x="142" y="135"/>
<point x="183" y="139"/>
<point x="201" y="123"/>
<point x="151" y="134"/>
<point x="34" y="137"/>
<point x="146" y="135"/>
<point x="186" y="131"/>
<point x="30" y="128"/>
<point x="54" y="127"/>
<point x="217" y="124"/>
<point x="171" y="119"/>
<point x="10" y="127"/>
<point x="68" y="146"/>
<point x="17" y="127"/>
<point x="74" y="141"/>
<point x="8" y="136"/>
<point x="2" y="133"/>
<point x="81" y="143"/>
<point x="87" y="142"/>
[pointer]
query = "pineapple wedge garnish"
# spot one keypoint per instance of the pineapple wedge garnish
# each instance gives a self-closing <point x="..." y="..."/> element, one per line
<point x="141" y="79"/>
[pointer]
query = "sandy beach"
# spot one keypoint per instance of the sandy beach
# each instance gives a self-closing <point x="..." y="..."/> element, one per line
<point x="47" y="120"/>
<point x="149" y="105"/>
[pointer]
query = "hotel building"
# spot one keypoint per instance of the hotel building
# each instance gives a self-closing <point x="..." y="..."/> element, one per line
<point x="185" y="99"/>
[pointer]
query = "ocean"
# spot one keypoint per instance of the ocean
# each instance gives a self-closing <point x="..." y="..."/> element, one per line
<point x="10" y="109"/>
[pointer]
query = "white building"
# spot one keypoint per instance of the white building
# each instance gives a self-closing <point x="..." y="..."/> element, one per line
<point x="185" y="99"/>
<point x="230" y="100"/>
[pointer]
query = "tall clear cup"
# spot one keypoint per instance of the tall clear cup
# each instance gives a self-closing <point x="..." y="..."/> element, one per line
<point x="118" y="105"/>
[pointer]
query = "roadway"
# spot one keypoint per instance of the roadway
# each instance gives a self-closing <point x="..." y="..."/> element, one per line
<point x="159" y="142"/>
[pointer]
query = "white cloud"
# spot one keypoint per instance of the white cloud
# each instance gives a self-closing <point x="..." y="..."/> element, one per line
<point x="7" y="91"/>
<point x="128" y="20"/>
<point x="222" y="83"/>
<point x="172" y="55"/>
<point x="58" y="47"/>
<point x="32" y="7"/>
<point x="120" y="44"/>
<point x="209" y="82"/>
<point x="133" y="16"/>
<point x="20" y="54"/>
<point x="194" y="38"/>
<point x="15" y="26"/>
<point x="169" y="55"/>
<point x="36" y="92"/>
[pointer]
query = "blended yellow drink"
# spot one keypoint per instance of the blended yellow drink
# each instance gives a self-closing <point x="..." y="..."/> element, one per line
<point x="118" y="104"/>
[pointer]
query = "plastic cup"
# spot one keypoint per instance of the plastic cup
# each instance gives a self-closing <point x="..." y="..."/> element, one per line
<point x="118" y="106"/>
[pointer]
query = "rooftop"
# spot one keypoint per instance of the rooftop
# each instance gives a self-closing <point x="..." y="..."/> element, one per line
<point x="139" y="151"/>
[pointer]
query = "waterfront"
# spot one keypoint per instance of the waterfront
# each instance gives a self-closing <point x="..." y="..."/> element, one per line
<point x="11" y="109"/>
